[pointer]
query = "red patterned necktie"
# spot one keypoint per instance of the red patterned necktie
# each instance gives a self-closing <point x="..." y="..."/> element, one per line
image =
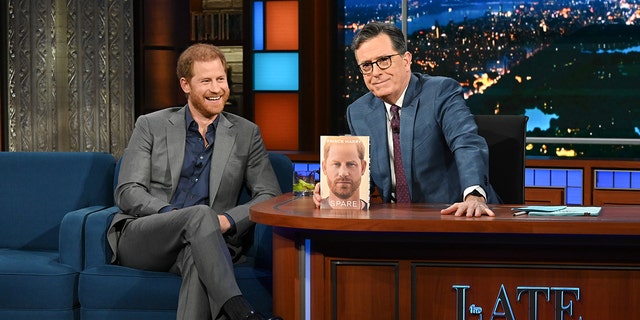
<point x="402" y="188"/>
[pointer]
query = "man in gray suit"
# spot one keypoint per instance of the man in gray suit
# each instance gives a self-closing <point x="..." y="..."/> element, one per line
<point x="442" y="158"/>
<point x="178" y="186"/>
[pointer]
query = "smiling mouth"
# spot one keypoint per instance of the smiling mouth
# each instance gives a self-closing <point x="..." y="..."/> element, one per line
<point x="214" y="98"/>
<point x="379" y="82"/>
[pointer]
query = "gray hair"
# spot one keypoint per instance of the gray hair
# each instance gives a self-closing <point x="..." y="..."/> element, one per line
<point x="373" y="29"/>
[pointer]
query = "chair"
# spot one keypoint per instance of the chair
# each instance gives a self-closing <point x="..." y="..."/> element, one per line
<point x="109" y="291"/>
<point x="505" y="136"/>
<point x="45" y="198"/>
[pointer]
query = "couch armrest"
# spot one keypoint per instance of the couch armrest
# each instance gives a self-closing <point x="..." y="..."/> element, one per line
<point x="71" y="236"/>
<point x="97" y="250"/>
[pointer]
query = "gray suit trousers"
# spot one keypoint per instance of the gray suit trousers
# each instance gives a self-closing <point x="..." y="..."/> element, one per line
<point x="187" y="242"/>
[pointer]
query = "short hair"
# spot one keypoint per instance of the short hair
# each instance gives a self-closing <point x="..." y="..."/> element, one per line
<point x="375" y="28"/>
<point x="198" y="52"/>
<point x="341" y="140"/>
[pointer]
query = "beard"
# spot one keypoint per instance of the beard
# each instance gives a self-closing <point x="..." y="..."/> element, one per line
<point x="206" y="108"/>
<point x="343" y="189"/>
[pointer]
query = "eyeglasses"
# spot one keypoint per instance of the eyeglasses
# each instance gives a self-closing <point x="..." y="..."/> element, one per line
<point x="382" y="63"/>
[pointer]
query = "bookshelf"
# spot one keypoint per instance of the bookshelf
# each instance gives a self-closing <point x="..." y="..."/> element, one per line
<point x="224" y="26"/>
<point x="220" y="22"/>
<point x="166" y="28"/>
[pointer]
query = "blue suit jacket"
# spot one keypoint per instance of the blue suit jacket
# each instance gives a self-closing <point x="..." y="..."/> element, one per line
<point x="442" y="152"/>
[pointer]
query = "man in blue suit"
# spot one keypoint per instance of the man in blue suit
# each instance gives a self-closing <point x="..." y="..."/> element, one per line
<point x="443" y="157"/>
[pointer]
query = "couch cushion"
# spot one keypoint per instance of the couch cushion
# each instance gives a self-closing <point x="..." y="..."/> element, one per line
<point x="39" y="188"/>
<point x="35" y="280"/>
<point x="111" y="286"/>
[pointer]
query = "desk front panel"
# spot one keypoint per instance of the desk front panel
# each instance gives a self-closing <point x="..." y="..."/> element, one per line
<point x="464" y="276"/>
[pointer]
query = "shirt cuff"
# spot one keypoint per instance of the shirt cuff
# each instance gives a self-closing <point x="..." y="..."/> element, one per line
<point x="232" y="230"/>
<point x="470" y="189"/>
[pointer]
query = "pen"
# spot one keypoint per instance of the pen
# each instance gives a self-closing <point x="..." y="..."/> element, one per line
<point x="519" y="213"/>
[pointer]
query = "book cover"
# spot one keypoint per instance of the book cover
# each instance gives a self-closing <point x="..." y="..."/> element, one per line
<point x="344" y="172"/>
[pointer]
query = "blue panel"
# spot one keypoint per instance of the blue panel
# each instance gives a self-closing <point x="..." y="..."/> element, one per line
<point x="559" y="178"/>
<point x="574" y="196"/>
<point x="298" y="166"/>
<point x="528" y="177"/>
<point x="258" y="25"/>
<point x="542" y="177"/>
<point x="275" y="71"/>
<point x="635" y="180"/>
<point x="604" y="179"/>
<point x="315" y="167"/>
<point x="574" y="178"/>
<point x="621" y="179"/>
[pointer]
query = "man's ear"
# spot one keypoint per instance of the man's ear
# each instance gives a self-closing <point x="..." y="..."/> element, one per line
<point x="364" y="167"/>
<point x="184" y="84"/>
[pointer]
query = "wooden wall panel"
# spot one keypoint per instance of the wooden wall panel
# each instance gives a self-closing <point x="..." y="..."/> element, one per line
<point x="616" y="197"/>
<point x="544" y="196"/>
<point x="364" y="290"/>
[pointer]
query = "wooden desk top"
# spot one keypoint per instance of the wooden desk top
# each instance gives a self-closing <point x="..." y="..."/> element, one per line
<point x="300" y="213"/>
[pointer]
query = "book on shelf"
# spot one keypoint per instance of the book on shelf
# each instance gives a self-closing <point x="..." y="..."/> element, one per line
<point x="219" y="25"/>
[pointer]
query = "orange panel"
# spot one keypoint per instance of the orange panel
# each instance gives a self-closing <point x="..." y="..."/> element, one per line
<point x="281" y="25"/>
<point x="277" y="116"/>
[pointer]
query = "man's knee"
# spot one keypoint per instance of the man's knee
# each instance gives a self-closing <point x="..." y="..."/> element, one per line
<point x="203" y="216"/>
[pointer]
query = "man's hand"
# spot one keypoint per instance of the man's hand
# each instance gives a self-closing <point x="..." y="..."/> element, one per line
<point x="225" y="225"/>
<point x="472" y="206"/>
<point x="317" y="198"/>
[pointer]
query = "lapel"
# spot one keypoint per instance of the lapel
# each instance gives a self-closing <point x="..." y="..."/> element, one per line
<point x="407" y="123"/>
<point x="225" y="139"/>
<point x="176" y="136"/>
<point x="376" y="121"/>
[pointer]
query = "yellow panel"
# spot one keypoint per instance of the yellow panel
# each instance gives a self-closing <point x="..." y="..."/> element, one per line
<point x="281" y="25"/>
<point x="277" y="116"/>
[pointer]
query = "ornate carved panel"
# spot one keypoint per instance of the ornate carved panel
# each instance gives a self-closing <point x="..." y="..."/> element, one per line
<point x="70" y="75"/>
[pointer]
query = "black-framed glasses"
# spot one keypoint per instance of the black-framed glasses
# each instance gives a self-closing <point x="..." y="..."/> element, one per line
<point x="382" y="63"/>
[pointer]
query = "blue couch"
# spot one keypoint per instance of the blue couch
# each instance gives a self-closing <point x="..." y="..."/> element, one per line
<point x="109" y="291"/>
<point x="45" y="198"/>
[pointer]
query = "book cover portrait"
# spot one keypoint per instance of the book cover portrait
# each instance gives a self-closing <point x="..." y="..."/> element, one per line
<point x="344" y="176"/>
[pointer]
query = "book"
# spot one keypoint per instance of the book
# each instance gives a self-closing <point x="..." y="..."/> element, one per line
<point x="344" y="172"/>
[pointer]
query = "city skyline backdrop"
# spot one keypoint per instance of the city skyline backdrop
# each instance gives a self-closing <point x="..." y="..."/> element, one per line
<point x="573" y="67"/>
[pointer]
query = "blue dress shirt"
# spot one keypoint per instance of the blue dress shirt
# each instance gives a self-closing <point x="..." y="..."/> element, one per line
<point x="193" y="185"/>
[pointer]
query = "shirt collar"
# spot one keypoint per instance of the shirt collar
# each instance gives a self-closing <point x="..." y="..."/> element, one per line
<point x="189" y="122"/>
<point x="398" y="103"/>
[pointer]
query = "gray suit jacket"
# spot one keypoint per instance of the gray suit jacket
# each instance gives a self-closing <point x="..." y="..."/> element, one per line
<point x="152" y="162"/>
<point x="442" y="152"/>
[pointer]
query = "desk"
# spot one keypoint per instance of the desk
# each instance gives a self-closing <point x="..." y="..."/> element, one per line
<point x="406" y="261"/>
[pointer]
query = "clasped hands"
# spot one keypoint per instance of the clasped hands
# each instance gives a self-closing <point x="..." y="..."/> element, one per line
<point x="472" y="206"/>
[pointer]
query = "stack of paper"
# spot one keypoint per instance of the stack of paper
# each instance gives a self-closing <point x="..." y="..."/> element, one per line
<point x="558" y="211"/>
